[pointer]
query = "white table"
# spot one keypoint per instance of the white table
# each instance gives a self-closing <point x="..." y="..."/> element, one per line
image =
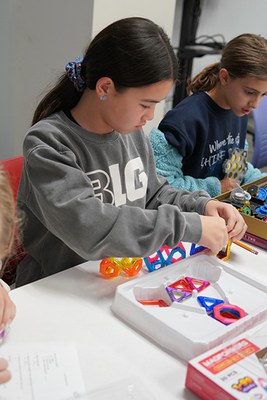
<point x="75" y="305"/>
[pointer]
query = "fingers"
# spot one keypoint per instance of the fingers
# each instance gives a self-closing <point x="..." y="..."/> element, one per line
<point x="5" y="375"/>
<point x="238" y="231"/>
<point x="217" y="246"/>
<point x="236" y="226"/>
<point x="214" y="233"/>
<point x="210" y="252"/>
<point x="7" y="309"/>
<point x="235" y="223"/>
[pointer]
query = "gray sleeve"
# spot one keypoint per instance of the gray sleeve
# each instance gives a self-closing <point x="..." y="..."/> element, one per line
<point x="61" y="196"/>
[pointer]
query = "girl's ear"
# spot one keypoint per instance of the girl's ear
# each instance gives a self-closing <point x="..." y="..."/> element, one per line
<point x="103" y="86"/>
<point x="224" y="76"/>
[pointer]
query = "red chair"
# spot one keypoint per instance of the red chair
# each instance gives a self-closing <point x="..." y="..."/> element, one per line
<point x="13" y="167"/>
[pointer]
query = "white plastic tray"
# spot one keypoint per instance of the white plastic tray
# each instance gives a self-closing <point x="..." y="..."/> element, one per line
<point x="184" y="328"/>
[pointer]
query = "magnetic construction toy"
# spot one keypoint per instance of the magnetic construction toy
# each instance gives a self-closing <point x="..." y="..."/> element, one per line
<point x="236" y="166"/>
<point x="252" y="202"/>
<point x="186" y="287"/>
<point x="112" y="267"/>
<point x="224" y="254"/>
<point x="165" y="256"/>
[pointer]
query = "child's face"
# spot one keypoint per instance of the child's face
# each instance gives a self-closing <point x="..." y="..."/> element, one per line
<point x="131" y="109"/>
<point x="244" y="94"/>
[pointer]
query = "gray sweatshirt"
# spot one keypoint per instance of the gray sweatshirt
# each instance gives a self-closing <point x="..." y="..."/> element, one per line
<point x="88" y="196"/>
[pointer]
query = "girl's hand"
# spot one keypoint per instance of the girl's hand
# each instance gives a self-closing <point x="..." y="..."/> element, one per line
<point x="214" y="234"/>
<point x="228" y="184"/>
<point x="5" y="375"/>
<point x="235" y="224"/>
<point x="7" y="309"/>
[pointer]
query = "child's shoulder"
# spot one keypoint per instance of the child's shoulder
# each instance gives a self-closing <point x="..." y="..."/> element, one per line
<point x="198" y="98"/>
<point x="190" y="109"/>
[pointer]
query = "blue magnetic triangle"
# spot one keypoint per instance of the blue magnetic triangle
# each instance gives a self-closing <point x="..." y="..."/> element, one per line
<point x="209" y="302"/>
<point x="196" y="249"/>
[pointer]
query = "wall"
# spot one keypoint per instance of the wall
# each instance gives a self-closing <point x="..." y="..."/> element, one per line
<point x="37" y="39"/>
<point x="230" y="18"/>
<point x="149" y="9"/>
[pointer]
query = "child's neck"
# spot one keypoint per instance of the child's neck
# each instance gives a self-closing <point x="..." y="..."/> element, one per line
<point x="217" y="95"/>
<point x="87" y="113"/>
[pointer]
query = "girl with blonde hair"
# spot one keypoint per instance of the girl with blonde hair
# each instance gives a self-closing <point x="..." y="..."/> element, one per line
<point x="8" y="223"/>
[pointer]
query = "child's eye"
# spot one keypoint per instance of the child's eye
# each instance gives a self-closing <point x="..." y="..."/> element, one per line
<point x="144" y="106"/>
<point x="249" y="92"/>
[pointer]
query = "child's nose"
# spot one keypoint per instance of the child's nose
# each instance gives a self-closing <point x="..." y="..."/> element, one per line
<point x="149" y="115"/>
<point x="256" y="102"/>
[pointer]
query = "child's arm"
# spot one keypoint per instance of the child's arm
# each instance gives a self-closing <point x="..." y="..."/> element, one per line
<point x="169" y="164"/>
<point x="252" y="174"/>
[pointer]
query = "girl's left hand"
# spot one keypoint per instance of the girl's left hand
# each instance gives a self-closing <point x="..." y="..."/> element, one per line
<point x="235" y="224"/>
<point x="7" y="309"/>
<point x="5" y="375"/>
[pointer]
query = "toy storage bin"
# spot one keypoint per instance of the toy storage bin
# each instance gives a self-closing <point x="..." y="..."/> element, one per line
<point x="255" y="226"/>
<point x="184" y="328"/>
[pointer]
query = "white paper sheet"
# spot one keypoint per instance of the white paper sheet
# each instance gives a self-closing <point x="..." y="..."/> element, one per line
<point x="42" y="371"/>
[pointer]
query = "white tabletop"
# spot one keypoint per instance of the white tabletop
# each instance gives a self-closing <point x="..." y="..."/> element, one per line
<point x="74" y="305"/>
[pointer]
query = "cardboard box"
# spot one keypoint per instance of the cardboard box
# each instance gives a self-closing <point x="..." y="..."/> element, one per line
<point x="255" y="240"/>
<point x="256" y="227"/>
<point x="236" y="370"/>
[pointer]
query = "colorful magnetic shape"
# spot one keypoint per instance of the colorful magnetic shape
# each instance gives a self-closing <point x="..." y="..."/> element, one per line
<point x="109" y="268"/>
<point x="131" y="267"/>
<point x="160" y="303"/>
<point x="224" y="254"/>
<point x="209" y="303"/>
<point x="177" y="295"/>
<point x="165" y="256"/>
<point x="181" y="284"/>
<point x="188" y="284"/>
<point x="194" y="249"/>
<point x="179" y="250"/>
<point x="112" y="267"/>
<point x="197" y="284"/>
<point x="228" y="313"/>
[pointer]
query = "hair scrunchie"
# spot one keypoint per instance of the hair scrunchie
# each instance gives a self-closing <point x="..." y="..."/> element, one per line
<point x="73" y="69"/>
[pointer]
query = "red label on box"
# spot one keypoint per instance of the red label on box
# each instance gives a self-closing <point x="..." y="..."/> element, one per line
<point x="228" y="356"/>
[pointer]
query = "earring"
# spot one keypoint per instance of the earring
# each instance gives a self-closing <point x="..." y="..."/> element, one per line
<point x="102" y="98"/>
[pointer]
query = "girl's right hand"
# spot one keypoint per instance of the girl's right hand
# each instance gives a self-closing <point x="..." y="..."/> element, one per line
<point x="228" y="184"/>
<point x="5" y="375"/>
<point x="214" y="234"/>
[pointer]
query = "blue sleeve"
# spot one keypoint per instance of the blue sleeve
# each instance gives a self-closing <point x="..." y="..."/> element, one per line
<point x="252" y="174"/>
<point x="169" y="164"/>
